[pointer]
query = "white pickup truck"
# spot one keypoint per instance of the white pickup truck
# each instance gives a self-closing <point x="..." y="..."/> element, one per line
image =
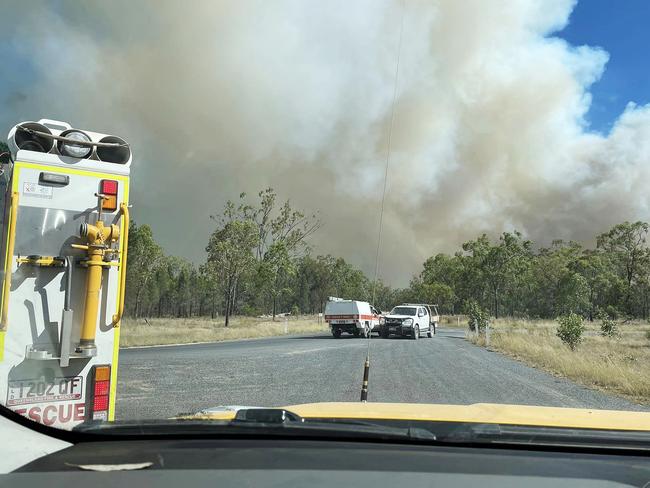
<point x="351" y="316"/>
<point x="411" y="320"/>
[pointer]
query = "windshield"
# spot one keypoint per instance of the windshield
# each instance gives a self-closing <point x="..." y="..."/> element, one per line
<point x="205" y="208"/>
<point x="404" y="311"/>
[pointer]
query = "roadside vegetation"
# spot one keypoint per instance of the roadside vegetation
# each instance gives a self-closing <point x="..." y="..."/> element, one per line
<point x="616" y="364"/>
<point x="259" y="262"/>
<point x="582" y="311"/>
<point x="156" y="331"/>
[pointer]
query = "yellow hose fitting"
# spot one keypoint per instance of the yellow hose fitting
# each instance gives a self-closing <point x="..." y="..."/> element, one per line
<point x="89" y="232"/>
<point x="114" y="233"/>
<point x="91" y="306"/>
<point x="99" y="237"/>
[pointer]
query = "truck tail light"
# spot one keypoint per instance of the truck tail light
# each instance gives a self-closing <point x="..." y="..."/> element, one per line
<point x="101" y="388"/>
<point x="101" y="392"/>
<point x="108" y="188"/>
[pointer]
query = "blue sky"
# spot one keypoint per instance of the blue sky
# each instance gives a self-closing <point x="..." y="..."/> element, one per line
<point x="622" y="28"/>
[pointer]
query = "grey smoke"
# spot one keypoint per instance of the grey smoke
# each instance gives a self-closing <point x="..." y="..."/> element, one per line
<point x="222" y="97"/>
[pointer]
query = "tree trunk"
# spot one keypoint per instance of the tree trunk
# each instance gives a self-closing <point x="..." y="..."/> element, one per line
<point x="231" y="301"/>
<point x="274" y="306"/>
<point x="227" y="311"/>
<point x="137" y="301"/>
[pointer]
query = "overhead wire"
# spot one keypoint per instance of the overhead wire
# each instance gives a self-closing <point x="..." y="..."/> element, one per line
<point x="388" y="153"/>
<point x="366" y="368"/>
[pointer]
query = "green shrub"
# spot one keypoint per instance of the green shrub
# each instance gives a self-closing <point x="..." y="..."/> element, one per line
<point x="647" y="334"/>
<point x="613" y="312"/>
<point x="477" y="317"/>
<point x="608" y="326"/>
<point x="570" y="329"/>
<point x="295" y="310"/>
<point x="249" y="310"/>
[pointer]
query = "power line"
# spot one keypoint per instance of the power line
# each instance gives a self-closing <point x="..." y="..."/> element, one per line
<point x="388" y="151"/>
<point x="366" y="369"/>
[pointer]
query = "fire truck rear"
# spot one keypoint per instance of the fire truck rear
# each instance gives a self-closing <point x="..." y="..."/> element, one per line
<point x="352" y="316"/>
<point x="64" y="241"/>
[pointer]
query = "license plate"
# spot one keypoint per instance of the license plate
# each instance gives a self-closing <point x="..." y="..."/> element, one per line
<point x="26" y="392"/>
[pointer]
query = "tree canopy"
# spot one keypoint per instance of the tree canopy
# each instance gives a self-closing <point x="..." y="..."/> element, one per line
<point x="259" y="261"/>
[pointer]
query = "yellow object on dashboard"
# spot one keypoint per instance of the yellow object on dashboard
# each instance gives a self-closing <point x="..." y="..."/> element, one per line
<point x="483" y="413"/>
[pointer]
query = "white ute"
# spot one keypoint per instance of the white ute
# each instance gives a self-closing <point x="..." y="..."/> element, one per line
<point x="351" y="316"/>
<point x="411" y="320"/>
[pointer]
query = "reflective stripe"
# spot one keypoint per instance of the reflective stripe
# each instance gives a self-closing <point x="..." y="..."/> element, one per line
<point x="8" y="263"/>
<point x="352" y="317"/>
<point x="116" y="330"/>
<point x="71" y="171"/>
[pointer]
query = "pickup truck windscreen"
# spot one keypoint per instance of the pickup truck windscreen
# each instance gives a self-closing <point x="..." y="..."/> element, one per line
<point x="404" y="311"/>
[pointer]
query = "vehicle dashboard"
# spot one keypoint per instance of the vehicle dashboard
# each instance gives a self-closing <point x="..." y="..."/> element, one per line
<point x="272" y="462"/>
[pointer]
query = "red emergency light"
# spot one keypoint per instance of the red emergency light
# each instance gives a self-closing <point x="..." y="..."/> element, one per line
<point x="108" y="188"/>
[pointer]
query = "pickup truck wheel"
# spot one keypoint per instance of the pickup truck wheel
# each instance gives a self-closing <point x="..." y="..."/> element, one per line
<point x="336" y="333"/>
<point x="356" y="333"/>
<point x="431" y="330"/>
<point x="416" y="332"/>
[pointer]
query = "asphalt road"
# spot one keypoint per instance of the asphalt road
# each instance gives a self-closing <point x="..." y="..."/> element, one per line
<point x="160" y="382"/>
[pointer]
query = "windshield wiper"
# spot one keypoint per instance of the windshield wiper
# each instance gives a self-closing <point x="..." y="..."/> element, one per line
<point x="258" y="422"/>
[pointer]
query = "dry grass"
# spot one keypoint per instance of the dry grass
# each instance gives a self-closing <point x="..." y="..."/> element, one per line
<point x="179" y="331"/>
<point x="454" y="321"/>
<point x="619" y="365"/>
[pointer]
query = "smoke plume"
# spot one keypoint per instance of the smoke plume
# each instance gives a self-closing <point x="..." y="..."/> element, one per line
<point x="222" y="97"/>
